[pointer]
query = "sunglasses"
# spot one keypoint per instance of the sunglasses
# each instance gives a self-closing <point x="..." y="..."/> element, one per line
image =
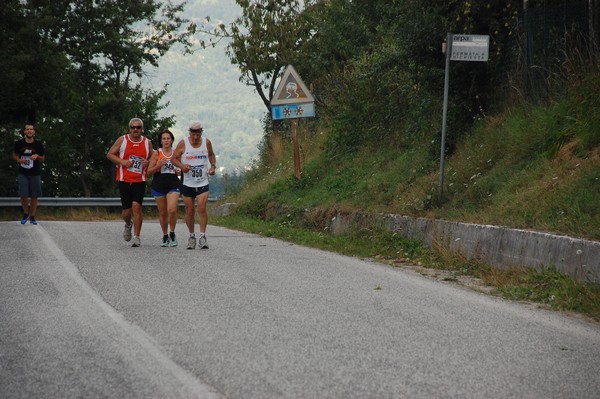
<point x="135" y="127"/>
<point x="195" y="130"/>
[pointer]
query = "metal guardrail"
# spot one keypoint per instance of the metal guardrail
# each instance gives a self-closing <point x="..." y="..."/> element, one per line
<point x="80" y="202"/>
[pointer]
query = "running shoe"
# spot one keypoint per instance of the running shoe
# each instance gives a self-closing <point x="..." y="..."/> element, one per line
<point x="202" y="242"/>
<point x="127" y="232"/>
<point x="165" y="241"/>
<point x="173" y="239"/>
<point x="24" y="218"/>
<point x="136" y="242"/>
<point x="191" y="243"/>
<point x="32" y="220"/>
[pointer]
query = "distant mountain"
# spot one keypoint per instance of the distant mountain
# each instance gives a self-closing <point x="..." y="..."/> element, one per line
<point x="205" y="86"/>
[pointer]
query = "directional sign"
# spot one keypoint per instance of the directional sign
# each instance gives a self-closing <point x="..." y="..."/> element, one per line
<point x="291" y="111"/>
<point x="470" y="48"/>
<point x="291" y="89"/>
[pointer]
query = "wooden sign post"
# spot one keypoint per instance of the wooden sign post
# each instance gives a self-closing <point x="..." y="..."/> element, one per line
<point x="292" y="100"/>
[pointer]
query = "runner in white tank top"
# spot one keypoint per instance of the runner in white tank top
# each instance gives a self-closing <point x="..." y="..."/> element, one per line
<point x="193" y="155"/>
<point x="197" y="158"/>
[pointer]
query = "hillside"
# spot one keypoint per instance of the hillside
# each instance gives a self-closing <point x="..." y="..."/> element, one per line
<point x="530" y="167"/>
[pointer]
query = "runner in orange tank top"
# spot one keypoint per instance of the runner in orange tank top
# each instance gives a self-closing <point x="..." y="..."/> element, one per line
<point x="165" y="186"/>
<point x="131" y="153"/>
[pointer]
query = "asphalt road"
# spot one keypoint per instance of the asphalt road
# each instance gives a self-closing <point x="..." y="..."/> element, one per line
<point x="84" y="315"/>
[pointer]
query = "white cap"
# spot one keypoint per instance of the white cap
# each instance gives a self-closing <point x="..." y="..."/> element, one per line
<point x="196" y="126"/>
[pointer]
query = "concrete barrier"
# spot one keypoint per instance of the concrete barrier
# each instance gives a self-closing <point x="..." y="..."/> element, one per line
<point x="505" y="247"/>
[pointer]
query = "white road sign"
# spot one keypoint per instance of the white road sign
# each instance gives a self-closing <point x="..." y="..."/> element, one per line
<point x="470" y="48"/>
<point x="291" y="89"/>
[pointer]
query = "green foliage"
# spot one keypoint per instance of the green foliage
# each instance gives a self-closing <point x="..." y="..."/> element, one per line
<point x="381" y="76"/>
<point x="553" y="288"/>
<point x="265" y="39"/>
<point x="29" y="59"/>
<point x="378" y="80"/>
<point x="531" y="167"/>
<point x="582" y="111"/>
<point x="76" y="82"/>
<point x="376" y="69"/>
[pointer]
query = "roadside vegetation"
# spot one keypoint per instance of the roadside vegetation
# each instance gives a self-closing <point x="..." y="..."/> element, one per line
<point x="530" y="166"/>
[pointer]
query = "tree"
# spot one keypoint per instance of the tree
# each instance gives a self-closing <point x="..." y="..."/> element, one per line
<point x="265" y="39"/>
<point x="383" y="67"/>
<point x="29" y="56"/>
<point x="93" y="51"/>
<point x="105" y="61"/>
<point x="34" y="77"/>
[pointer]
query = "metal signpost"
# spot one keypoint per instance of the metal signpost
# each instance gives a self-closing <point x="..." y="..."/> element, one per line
<point x="459" y="48"/>
<point x="292" y="100"/>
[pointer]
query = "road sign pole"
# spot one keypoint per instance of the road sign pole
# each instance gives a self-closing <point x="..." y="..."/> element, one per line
<point x="445" y="111"/>
<point x="292" y="100"/>
<point x="297" y="168"/>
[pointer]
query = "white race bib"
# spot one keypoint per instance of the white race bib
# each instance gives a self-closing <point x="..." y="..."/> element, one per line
<point x="197" y="172"/>
<point x="168" y="168"/>
<point x="136" y="166"/>
<point x="28" y="164"/>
